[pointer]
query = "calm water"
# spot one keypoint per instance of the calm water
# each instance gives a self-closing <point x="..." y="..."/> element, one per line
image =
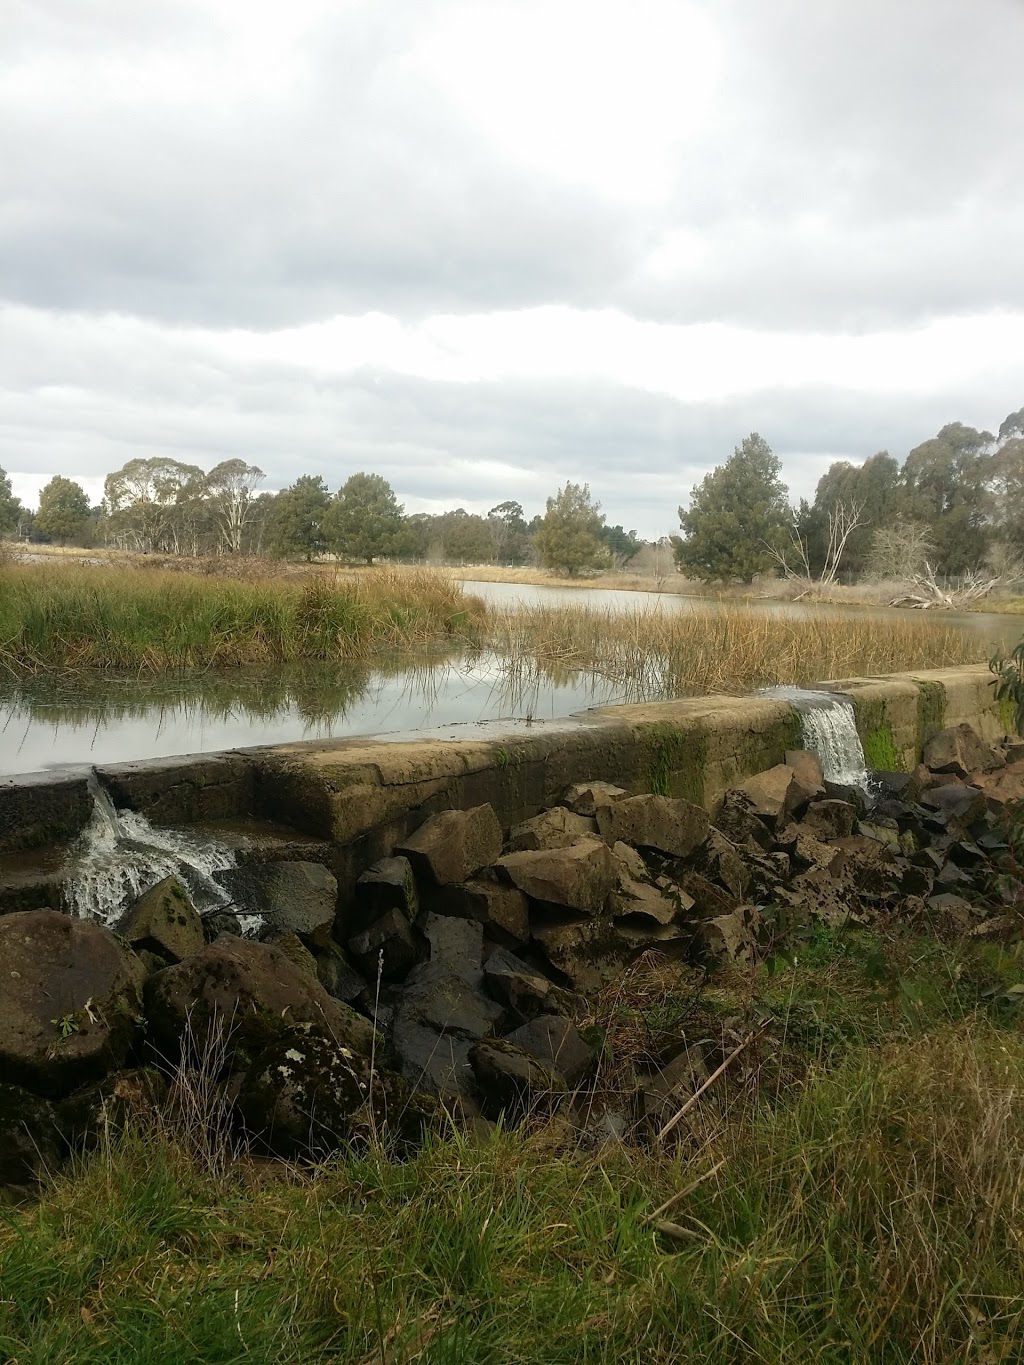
<point x="46" y="723"/>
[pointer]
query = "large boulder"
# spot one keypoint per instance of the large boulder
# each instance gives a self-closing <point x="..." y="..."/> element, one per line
<point x="512" y="1082"/>
<point x="555" y="828"/>
<point x="807" y="766"/>
<point x="555" y="1042"/>
<point x="646" y="902"/>
<point x="235" y="997"/>
<point x="438" y="1018"/>
<point x="959" y="751"/>
<point x="776" y="795"/>
<point x="589" y="953"/>
<point x="523" y="990"/>
<point x="718" y="859"/>
<point x="164" y="921"/>
<point x="388" y="885"/>
<point x="736" y="819"/>
<point x="830" y="819"/>
<point x="586" y="798"/>
<point x="579" y="877"/>
<point x="70" y="1003"/>
<point x="455" y="945"/>
<point x="299" y="896"/>
<point x="388" y="945"/>
<point x="452" y="845"/>
<point x="307" y="1094"/>
<point x="665" y="823"/>
<point x="503" y="910"/>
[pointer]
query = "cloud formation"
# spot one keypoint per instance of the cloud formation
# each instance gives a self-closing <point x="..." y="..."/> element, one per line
<point x="486" y="246"/>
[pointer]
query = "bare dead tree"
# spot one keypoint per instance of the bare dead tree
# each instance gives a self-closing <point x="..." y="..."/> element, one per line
<point x="926" y="594"/>
<point x="843" y="520"/>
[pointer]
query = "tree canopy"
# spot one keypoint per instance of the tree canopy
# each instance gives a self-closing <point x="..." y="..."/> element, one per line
<point x="298" y="517"/>
<point x="738" y="514"/>
<point x="364" y="518"/>
<point x="10" y="506"/>
<point x="568" y="539"/>
<point x="63" y="509"/>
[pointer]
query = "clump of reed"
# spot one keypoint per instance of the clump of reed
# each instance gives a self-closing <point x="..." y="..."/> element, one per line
<point x="75" y="617"/>
<point x="651" y="654"/>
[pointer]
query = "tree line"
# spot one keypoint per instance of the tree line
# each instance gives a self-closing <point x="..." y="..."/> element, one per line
<point x="954" y="505"/>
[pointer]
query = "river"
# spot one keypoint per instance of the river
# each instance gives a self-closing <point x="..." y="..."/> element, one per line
<point x="48" y="722"/>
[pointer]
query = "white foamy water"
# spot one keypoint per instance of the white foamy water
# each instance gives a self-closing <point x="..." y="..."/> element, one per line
<point x="829" y="729"/>
<point x="120" y="854"/>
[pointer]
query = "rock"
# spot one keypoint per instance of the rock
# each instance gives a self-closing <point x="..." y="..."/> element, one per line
<point x="30" y="1138"/>
<point x="668" y="824"/>
<point x="439" y="1017"/>
<point x="523" y="990"/>
<point x="631" y="863"/>
<point x="163" y="921"/>
<point x="151" y="962"/>
<point x="737" y="821"/>
<point x="308" y="1095"/>
<point x="718" y="860"/>
<point x="457" y="945"/>
<point x="554" y="1041"/>
<point x="807" y="766"/>
<point x="732" y="937"/>
<point x="388" y="885"/>
<point x="586" y="798"/>
<point x="238" y="995"/>
<point x="299" y="896"/>
<point x="668" y="1089"/>
<point x="512" y="1081"/>
<point x="959" y="751"/>
<point x="220" y="921"/>
<point x="70" y="1001"/>
<point x="293" y="948"/>
<point x="391" y="935"/>
<point x="337" y="976"/>
<point x="111" y="1105"/>
<point x="579" y="877"/>
<point x="554" y="828"/>
<point x="503" y="910"/>
<point x="776" y="795"/>
<point x="807" y="851"/>
<point x="644" y="901"/>
<point x="954" y="807"/>
<point x="829" y="819"/>
<point x="588" y="953"/>
<point x="1004" y="786"/>
<point x="708" y="899"/>
<point x="454" y="844"/>
<point x="896" y="786"/>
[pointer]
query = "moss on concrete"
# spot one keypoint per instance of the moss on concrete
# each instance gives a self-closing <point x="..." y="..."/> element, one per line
<point x="675" y="761"/>
<point x="881" y="750"/>
<point x="931" y="710"/>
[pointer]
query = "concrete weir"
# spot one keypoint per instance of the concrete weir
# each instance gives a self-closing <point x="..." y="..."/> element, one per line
<point x="358" y="798"/>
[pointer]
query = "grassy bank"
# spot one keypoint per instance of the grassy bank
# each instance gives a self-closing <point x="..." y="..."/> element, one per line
<point x="73" y="617"/>
<point x="653" y="654"/>
<point x="851" y="1190"/>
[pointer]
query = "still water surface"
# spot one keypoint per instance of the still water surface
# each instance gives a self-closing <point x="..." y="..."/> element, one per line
<point x="54" y="722"/>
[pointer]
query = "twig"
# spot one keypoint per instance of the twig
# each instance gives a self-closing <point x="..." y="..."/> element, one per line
<point x="679" y="1114"/>
<point x="681" y="1194"/>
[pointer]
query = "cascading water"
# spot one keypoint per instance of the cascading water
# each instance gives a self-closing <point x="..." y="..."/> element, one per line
<point x="829" y="729"/>
<point x="119" y="854"/>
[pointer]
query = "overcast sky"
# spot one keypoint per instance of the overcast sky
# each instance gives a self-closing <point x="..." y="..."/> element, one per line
<point x="486" y="247"/>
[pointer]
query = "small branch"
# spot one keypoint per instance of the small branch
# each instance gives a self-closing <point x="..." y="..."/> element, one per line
<point x="680" y="1113"/>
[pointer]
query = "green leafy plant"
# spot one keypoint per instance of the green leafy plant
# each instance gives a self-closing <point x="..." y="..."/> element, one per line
<point x="1009" y="684"/>
<point x="66" y="1025"/>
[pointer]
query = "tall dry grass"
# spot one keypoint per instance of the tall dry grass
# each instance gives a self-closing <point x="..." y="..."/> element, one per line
<point x="651" y="654"/>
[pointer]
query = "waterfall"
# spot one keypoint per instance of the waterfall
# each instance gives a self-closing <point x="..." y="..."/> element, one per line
<point x="828" y="727"/>
<point x="120" y="854"/>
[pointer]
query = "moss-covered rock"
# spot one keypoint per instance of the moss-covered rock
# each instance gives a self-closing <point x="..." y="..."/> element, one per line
<point x="163" y="921"/>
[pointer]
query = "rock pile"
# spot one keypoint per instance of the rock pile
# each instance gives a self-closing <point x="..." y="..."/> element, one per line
<point x="455" y="979"/>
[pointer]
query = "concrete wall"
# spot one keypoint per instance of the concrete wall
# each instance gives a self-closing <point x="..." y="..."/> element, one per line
<point x="365" y="795"/>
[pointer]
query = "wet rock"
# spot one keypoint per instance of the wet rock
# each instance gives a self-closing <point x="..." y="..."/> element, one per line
<point x="896" y="786"/>
<point x="237" y="995"/>
<point x="807" y="766"/>
<point x="391" y="935"/>
<point x="454" y="844"/>
<point x="299" y="896"/>
<point x="523" y="990"/>
<point x="512" y="1081"/>
<point x="665" y="823"/>
<point x="437" y="1020"/>
<point x="777" y="795"/>
<point x="959" y="751"/>
<point x="70" y="1001"/>
<point x="554" y="1041"/>
<point x="220" y="921"/>
<point x="586" y="798"/>
<point x="388" y="885"/>
<point x="457" y="945"/>
<point x="163" y="921"/>
<point x="30" y="1138"/>
<point x="829" y="819"/>
<point x="337" y="976"/>
<point x="307" y="1094"/>
<point x="580" y="877"/>
<point x="554" y="828"/>
<point x="503" y="910"/>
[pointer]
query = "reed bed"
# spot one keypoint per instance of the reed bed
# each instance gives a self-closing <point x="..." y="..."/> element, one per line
<point x="652" y="654"/>
<point x="77" y="617"/>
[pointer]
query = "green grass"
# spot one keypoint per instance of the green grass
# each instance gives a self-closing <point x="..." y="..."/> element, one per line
<point x="77" y="617"/>
<point x="856" y="1192"/>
